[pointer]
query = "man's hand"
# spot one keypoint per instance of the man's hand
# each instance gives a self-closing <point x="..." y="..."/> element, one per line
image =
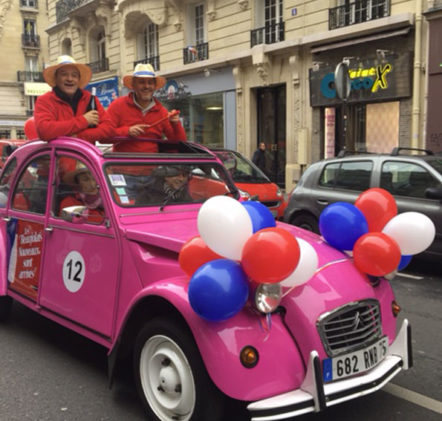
<point x="174" y="116"/>
<point x="137" y="129"/>
<point x="92" y="117"/>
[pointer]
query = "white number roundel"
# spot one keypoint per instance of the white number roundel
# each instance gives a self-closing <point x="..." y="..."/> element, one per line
<point x="74" y="271"/>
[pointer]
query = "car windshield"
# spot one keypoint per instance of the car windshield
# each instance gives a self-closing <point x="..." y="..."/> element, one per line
<point x="140" y="185"/>
<point x="241" y="169"/>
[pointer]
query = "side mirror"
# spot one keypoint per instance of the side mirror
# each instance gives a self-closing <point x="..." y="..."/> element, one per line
<point x="434" y="192"/>
<point x="74" y="214"/>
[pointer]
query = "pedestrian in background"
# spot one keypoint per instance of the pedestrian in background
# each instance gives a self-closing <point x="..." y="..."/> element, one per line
<point x="259" y="157"/>
<point x="139" y="114"/>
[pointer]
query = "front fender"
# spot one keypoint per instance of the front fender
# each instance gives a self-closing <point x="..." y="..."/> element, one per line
<point x="280" y="367"/>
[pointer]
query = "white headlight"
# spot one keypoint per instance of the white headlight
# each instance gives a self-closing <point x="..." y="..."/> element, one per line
<point x="268" y="297"/>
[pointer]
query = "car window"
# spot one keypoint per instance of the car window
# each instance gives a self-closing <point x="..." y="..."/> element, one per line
<point x="77" y="195"/>
<point x="31" y="191"/>
<point x="141" y="185"/>
<point x="241" y="169"/>
<point x="406" y="179"/>
<point x="354" y="175"/>
<point x="329" y="175"/>
<point x="347" y="175"/>
<point x="5" y="181"/>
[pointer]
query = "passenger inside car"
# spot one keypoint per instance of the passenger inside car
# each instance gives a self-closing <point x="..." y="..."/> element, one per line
<point x="84" y="193"/>
<point x="168" y="184"/>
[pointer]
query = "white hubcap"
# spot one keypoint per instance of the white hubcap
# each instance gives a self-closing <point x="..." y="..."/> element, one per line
<point x="167" y="379"/>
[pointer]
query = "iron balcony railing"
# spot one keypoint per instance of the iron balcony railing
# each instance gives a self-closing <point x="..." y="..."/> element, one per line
<point x="358" y="12"/>
<point x="28" y="76"/>
<point x="153" y="60"/>
<point x="268" y="34"/>
<point x="100" y="65"/>
<point x="64" y="7"/>
<point x="196" y="52"/>
<point x="29" y="3"/>
<point x="30" y="40"/>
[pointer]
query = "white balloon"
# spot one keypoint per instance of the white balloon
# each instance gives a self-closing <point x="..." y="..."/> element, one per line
<point x="307" y="265"/>
<point x="413" y="231"/>
<point x="225" y="225"/>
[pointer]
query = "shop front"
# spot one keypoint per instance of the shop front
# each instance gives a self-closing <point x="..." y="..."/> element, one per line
<point x="372" y="116"/>
<point x="207" y="106"/>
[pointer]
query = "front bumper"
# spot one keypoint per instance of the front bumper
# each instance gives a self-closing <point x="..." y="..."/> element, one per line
<point x="315" y="396"/>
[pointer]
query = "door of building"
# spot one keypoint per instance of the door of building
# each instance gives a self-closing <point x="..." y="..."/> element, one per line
<point x="272" y="130"/>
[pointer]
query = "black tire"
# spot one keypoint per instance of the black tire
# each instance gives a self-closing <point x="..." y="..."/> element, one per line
<point x="306" y="221"/>
<point x="170" y="375"/>
<point x="5" y="308"/>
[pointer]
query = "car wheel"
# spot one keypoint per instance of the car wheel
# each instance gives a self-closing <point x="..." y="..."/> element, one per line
<point x="170" y="375"/>
<point x="306" y="221"/>
<point x="5" y="308"/>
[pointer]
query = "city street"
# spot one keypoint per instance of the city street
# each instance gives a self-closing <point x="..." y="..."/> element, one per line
<point x="48" y="373"/>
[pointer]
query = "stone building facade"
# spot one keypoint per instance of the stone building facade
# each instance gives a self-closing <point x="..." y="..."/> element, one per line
<point x="23" y="52"/>
<point x="244" y="71"/>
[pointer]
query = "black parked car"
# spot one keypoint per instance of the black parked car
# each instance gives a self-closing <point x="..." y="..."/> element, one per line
<point x="412" y="176"/>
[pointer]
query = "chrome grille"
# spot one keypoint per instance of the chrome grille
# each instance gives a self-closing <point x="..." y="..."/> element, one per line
<point x="350" y="327"/>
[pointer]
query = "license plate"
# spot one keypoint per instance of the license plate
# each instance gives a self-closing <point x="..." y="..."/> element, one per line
<point x="355" y="362"/>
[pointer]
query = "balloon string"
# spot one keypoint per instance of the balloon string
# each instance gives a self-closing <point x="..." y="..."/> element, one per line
<point x="316" y="272"/>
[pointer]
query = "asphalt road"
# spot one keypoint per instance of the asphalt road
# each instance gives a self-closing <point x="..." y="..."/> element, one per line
<point x="48" y="373"/>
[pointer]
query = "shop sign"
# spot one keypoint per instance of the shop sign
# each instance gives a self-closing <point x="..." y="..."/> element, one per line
<point x="106" y="90"/>
<point x="36" y="88"/>
<point x="370" y="80"/>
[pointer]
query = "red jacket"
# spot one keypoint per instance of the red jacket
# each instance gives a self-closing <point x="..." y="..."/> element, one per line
<point x="55" y="117"/>
<point x="124" y="113"/>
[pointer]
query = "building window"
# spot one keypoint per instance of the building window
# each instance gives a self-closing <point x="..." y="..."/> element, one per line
<point x="148" y="51"/>
<point x="199" y="24"/>
<point x="5" y="134"/>
<point x="29" y="3"/>
<point x="268" y="22"/>
<point x="99" y="62"/>
<point x="20" y="134"/>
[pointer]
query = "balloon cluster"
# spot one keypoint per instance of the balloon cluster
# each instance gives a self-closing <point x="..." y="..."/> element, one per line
<point x="381" y="240"/>
<point x="239" y="248"/>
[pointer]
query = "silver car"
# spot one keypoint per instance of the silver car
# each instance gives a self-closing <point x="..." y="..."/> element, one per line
<point x="415" y="181"/>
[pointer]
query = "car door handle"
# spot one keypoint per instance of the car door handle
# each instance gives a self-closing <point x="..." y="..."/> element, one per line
<point x="49" y="229"/>
<point x="322" y="202"/>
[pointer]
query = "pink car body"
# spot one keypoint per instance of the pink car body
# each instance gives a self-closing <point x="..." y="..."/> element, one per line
<point x="128" y="274"/>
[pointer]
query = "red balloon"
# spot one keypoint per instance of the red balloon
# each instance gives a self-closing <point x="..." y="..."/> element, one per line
<point x="194" y="254"/>
<point x="270" y="255"/>
<point x="30" y="130"/>
<point x="378" y="207"/>
<point x="376" y="253"/>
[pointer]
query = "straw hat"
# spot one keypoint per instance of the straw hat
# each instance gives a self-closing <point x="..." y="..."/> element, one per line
<point x="84" y="70"/>
<point x="69" y="177"/>
<point x="143" y="70"/>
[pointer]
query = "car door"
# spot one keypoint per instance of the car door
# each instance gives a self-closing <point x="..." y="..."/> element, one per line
<point x="81" y="260"/>
<point x="407" y="182"/>
<point x="342" y="181"/>
<point x="25" y="228"/>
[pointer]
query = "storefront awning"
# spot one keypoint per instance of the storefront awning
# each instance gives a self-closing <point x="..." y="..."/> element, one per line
<point x="360" y="40"/>
<point x="36" y="88"/>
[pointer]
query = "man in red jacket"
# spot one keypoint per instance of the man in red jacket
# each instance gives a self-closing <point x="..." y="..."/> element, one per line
<point x="140" y="115"/>
<point x="69" y="110"/>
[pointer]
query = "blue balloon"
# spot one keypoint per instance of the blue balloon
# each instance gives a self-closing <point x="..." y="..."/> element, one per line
<point x="218" y="289"/>
<point x="405" y="260"/>
<point x="260" y="215"/>
<point x="341" y="224"/>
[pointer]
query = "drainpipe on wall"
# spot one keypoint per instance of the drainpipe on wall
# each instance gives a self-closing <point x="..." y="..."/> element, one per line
<point x="416" y="110"/>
